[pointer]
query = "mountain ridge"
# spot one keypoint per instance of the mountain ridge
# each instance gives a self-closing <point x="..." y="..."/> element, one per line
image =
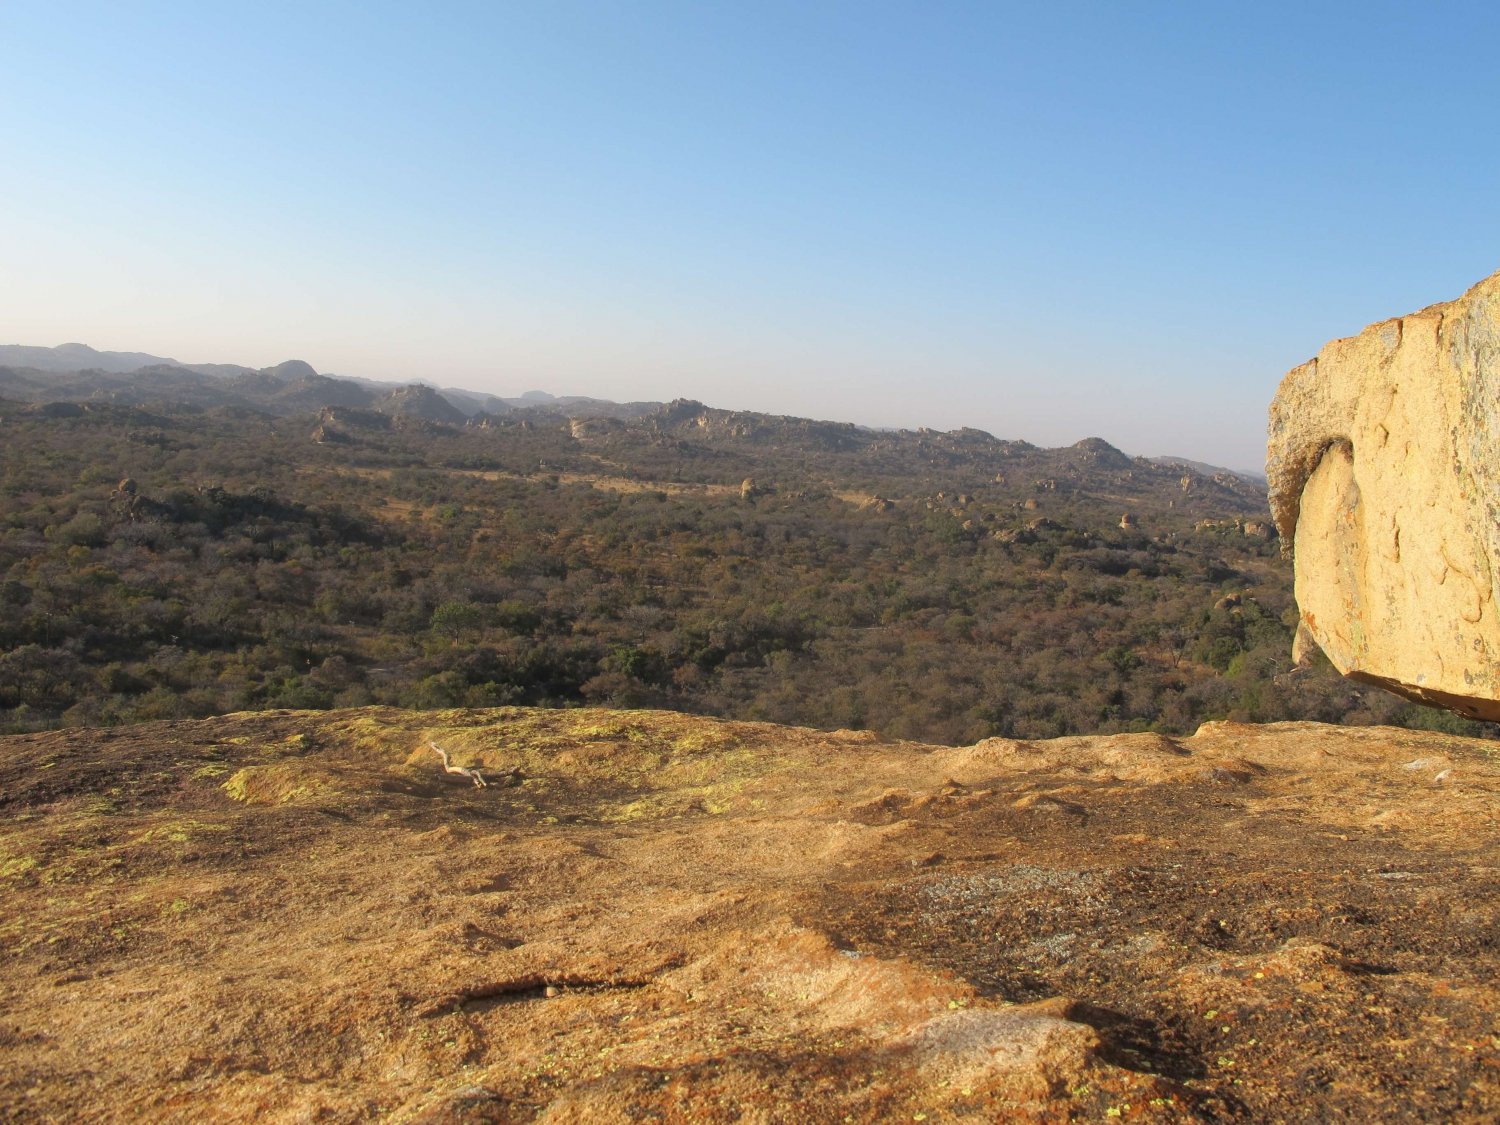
<point x="78" y="372"/>
<point x="162" y="560"/>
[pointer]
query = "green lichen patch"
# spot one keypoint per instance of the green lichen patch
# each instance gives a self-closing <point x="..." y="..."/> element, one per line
<point x="279" y="783"/>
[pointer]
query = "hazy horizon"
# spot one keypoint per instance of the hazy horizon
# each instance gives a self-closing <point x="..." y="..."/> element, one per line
<point x="563" y="393"/>
<point x="1084" y="220"/>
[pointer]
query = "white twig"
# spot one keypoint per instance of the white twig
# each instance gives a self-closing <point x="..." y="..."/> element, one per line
<point x="472" y="774"/>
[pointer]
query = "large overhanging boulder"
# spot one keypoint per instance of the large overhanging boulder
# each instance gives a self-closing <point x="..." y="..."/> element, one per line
<point x="1384" y="469"/>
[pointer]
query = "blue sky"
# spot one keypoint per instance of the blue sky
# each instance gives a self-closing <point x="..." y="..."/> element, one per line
<point x="1046" y="221"/>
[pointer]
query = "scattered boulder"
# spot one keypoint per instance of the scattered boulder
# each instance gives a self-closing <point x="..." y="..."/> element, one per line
<point x="1384" y="473"/>
<point x="324" y="434"/>
<point x="1013" y="535"/>
<point x="127" y="497"/>
<point x="584" y="429"/>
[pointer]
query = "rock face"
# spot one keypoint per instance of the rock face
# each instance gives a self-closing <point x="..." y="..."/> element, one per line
<point x="299" y="916"/>
<point x="1384" y="472"/>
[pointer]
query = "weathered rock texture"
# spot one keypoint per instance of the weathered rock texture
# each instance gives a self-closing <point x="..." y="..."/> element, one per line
<point x="1384" y="469"/>
<point x="297" y="916"/>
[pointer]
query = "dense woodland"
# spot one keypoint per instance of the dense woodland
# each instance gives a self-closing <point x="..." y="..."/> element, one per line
<point x="168" y="560"/>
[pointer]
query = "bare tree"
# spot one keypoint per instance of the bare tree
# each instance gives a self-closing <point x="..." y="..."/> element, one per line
<point x="472" y="774"/>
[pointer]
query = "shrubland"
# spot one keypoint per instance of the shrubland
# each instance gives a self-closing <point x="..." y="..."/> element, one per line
<point x="164" y="561"/>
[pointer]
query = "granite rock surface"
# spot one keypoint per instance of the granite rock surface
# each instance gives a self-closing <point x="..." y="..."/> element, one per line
<point x="1384" y="473"/>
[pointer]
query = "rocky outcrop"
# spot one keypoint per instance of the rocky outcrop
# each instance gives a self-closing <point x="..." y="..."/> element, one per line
<point x="1256" y="529"/>
<point x="418" y="400"/>
<point x="298" y="916"/>
<point x="1384" y="474"/>
<point x="316" y="391"/>
<point x="1098" y="453"/>
<point x="290" y="371"/>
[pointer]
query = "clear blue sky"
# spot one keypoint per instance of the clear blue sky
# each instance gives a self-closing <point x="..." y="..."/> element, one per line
<point x="1045" y="220"/>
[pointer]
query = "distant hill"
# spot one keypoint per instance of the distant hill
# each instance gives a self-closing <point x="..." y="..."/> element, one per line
<point x="1210" y="470"/>
<point x="77" y="357"/>
<point x="420" y="401"/>
<point x="79" y="373"/>
<point x="687" y="433"/>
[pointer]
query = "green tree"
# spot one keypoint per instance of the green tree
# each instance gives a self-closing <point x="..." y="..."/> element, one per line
<point x="455" y="619"/>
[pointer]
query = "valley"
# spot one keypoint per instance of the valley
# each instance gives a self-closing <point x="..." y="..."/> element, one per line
<point x="165" y="560"/>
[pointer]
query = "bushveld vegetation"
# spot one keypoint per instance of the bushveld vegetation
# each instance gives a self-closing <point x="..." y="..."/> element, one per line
<point x="173" y="561"/>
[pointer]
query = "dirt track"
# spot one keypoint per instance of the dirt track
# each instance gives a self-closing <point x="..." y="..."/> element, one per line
<point x="297" y="916"/>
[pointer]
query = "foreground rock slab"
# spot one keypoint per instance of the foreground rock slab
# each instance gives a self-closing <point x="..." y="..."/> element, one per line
<point x="297" y="916"/>
<point x="1384" y="469"/>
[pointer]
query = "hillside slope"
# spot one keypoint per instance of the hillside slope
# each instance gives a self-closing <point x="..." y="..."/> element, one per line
<point x="293" y="916"/>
